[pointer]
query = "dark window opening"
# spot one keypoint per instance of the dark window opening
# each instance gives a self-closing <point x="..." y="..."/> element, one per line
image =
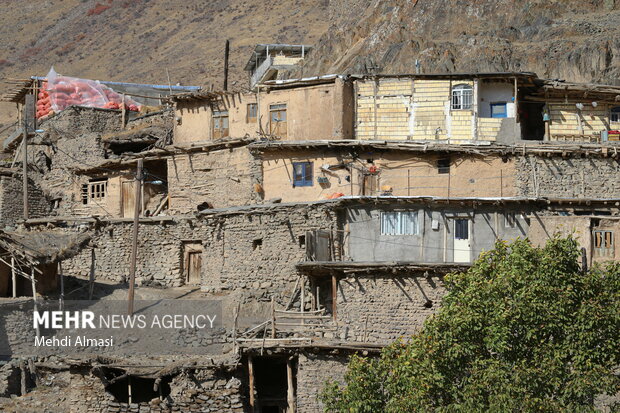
<point x="302" y="240"/>
<point x="271" y="378"/>
<point x="531" y="120"/>
<point x="615" y="114"/>
<point x="257" y="243"/>
<point x="443" y="165"/>
<point x="119" y="148"/>
<point x="324" y="295"/>
<point x="302" y="174"/>
<point x="121" y="385"/>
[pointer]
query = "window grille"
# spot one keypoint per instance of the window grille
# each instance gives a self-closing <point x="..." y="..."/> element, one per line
<point x="462" y="97"/>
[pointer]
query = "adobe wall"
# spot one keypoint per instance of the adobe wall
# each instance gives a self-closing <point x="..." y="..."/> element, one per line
<point x="405" y="173"/>
<point x="574" y="177"/>
<point x="222" y="178"/>
<point x="384" y="307"/>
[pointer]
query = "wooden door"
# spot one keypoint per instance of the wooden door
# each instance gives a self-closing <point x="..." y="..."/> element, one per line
<point x="194" y="266"/>
<point x="128" y="199"/>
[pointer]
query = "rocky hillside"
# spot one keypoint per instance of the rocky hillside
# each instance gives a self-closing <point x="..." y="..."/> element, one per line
<point x="137" y="40"/>
<point x="570" y="39"/>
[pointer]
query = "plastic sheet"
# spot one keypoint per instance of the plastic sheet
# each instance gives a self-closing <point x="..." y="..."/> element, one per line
<point x="60" y="92"/>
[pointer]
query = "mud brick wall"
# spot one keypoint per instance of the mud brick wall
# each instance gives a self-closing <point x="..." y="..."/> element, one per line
<point x="11" y="201"/>
<point x="575" y="177"/>
<point x="395" y="305"/>
<point x="313" y="371"/>
<point x="259" y="251"/>
<point x="222" y="178"/>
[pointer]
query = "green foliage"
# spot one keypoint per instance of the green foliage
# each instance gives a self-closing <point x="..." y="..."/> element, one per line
<point x="523" y="330"/>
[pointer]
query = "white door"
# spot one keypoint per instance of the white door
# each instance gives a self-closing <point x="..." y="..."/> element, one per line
<point x="462" y="244"/>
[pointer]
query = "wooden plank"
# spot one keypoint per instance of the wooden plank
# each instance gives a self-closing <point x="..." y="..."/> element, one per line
<point x="251" y="382"/>
<point x="334" y="294"/>
<point x="290" y="394"/>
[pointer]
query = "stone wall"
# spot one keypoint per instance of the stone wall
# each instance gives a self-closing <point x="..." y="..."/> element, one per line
<point x="313" y="371"/>
<point x="11" y="201"/>
<point x="222" y="178"/>
<point x="395" y="305"/>
<point x="575" y="177"/>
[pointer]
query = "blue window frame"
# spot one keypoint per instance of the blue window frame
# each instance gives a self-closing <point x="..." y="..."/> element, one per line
<point x="498" y="110"/>
<point x="302" y="174"/>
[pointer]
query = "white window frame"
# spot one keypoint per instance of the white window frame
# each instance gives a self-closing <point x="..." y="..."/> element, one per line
<point x="462" y="97"/>
<point x="399" y="223"/>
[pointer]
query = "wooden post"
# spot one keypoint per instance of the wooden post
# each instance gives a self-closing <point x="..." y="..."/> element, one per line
<point x="61" y="300"/>
<point x="251" y="382"/>
<point x="234" y="332"/>
<point x="302" y="294"/>
<point x="334" y="294"/>
<point x="13" y="276"/>
<point x="91" y="278"/>
<point x="134" y="241"/>
<point x="273" y="318"/>
<point x="501" y="183"/>
<point x="290" y="393"/>
<point x="129" y="389"/>
<point x="25" y="166"/>
<point x="226" y="53"/>
<point x="408" y="181"/>
<point x="22" y="368"/>
<point x="34" y="295"/>
<point x="123" y="112"/>
<point x="584" y="261"/>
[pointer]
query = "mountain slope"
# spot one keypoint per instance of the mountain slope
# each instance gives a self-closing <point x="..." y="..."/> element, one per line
<point x="137" y="40"/>
<point x="571" y="39"/>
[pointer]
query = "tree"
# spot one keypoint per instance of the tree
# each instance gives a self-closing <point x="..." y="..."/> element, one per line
<point x="523" y="330"/>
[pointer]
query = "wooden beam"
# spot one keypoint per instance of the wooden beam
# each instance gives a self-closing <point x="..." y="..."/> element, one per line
<point x="251" y="383"/>
<point x="13" y="277"/>
<point x="290" y="393"/>
<point x="334" y="294"/>
<point x="134" y="243"/>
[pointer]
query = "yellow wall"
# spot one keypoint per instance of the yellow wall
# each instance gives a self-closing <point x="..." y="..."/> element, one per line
<point x="398" y="109"/>
<point x="565" y="119"/>
<point x="406" y="174"/>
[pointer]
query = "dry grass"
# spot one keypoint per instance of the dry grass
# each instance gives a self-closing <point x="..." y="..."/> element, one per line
<point x="136" y="40"/>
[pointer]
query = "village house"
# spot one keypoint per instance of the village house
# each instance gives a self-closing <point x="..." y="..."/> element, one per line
<point x="323" y="212"/>
<point x="269" y="59"/>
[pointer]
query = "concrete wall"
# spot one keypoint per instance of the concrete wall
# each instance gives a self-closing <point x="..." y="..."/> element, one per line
<point x="223" y="178"/>
<point x="399" y="173"/>
<point x="365" y="242"/>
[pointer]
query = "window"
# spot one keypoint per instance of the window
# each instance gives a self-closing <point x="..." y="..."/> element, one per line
<point x="603" y="243"/>
<point x="461" y="229"/>
<point x="302" y="173"/>
<point x="252" y="112"/>
<point x="94" y="191"/>
<point x="220" y="124"/>
<point x="399" y="223"/>
<point x="277" y="120"/>
<point x="462" y="97"/>
<point x="498" y="110"/>
<point x="510" y="220"/>
<point x="443" y="165"/>
<point x="615" y="114"/>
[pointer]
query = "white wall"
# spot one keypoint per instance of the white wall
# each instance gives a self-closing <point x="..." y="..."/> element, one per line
<point x="495" y="93"/>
